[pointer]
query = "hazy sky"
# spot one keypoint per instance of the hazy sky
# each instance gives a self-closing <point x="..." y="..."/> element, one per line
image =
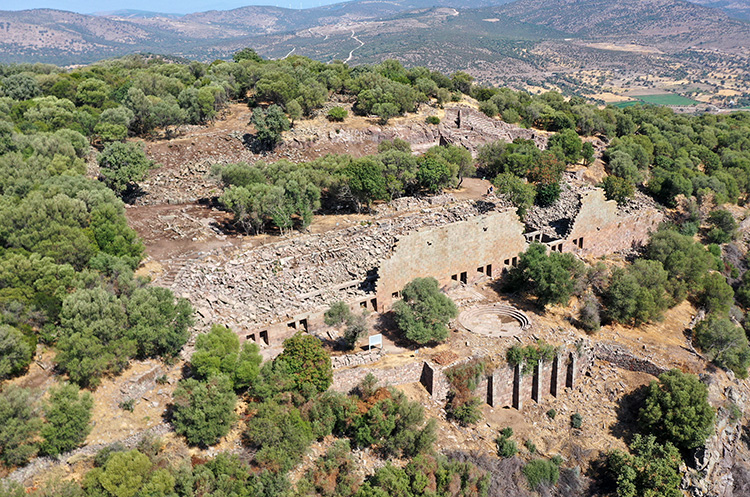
<point x="168" y="6"/>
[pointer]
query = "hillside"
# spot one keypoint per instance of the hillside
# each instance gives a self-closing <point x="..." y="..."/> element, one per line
<point x="670" y="25"/>
<point x="600" y="49"/>
<point x="54" y="36"/>
<point x="739" y="9"/>
<point x="188" y="284"/>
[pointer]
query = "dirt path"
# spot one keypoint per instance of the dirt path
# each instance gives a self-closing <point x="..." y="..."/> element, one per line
<point x="351" y="54"/>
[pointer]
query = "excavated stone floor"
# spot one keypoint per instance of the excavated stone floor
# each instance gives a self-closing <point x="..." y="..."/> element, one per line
<point x="495" y="320"/>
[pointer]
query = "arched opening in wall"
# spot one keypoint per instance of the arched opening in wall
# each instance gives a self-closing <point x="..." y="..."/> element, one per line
<point x="250" y="337"/>
<point x="374" y="304"/>
<point x="303" y="324"/>
<point x="570" y="372"/>
<point x="464" y="278"/>
<point x="263" y="337"/>
<point x="489" y="270"/>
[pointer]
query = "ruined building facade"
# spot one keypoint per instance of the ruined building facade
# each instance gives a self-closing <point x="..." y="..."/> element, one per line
<point x="267" y="293"/>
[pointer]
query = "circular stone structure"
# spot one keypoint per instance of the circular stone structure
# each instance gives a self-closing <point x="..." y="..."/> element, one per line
<point x="495" y="320"/>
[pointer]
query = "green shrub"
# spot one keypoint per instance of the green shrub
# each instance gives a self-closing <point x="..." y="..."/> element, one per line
<point x="280" y="434"/>
<point x="618" y="189"/>
<point x="218" y="352"/>
<point x="427" y="475"/>
<point x="103" y="455"/>
<point x="337" y="114"/>
<point x="122" y="165"/>
<point x="505" y="447"/>
<point x="547" y="194"/>
<point x="423" y="313"/>
<point x="552" y="277"/>
<point x="337" y="314"/>
<point x="520" y="193"/>
<point x="307" y="361"/>
<point x="530" y="446"/>
<point x="650" y="469"/>
<point x="638" y="293"/>
<point x="203" y="411"/>
<point x="735" y="413"/>
<point x="19" y="430"/>
<point x="541" y="472"/>
<point x="576" y="420"/>
<point x="551" y="414"/>
<point x="676" y="410"/>
<point x="724" y="227"/>
<point x="67" y="419"/>
<point x="724" y="344"/>
<point x="395" y="424"/>
<point x="128" y="405"/>
<point x="467" y="412"/>
<point x="530" y="355"/>
<point x="432" y="120"/>
<point x="356" y="329"/>
<point x="717" y="295"/>
<point x="15" y="351"/>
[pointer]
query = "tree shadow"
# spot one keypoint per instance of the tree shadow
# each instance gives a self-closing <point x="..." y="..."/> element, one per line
<point x="600" y="478"/>
<point x="386" y="325"/>
<point x="626" y="425"/>
<point x="133" y="193"/>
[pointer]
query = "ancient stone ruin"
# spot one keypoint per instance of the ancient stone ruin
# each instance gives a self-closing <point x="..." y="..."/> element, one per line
<point x="461" y="125"/>
<point x="267" y="293"/>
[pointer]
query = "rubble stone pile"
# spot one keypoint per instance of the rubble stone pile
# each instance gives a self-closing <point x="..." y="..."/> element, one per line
<point x="246" y="288"/>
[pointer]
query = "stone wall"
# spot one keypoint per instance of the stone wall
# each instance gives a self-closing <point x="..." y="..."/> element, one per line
<point x="506" y="386"/>
<point x="455" y="251"/>
<point x="462" y="125"/>
<point x="282" y="287"/>
<point x="624" y="358"/>
<point x="344" y="380"/>
<point x="269" y="292"/>
<point x="601" y="228"/>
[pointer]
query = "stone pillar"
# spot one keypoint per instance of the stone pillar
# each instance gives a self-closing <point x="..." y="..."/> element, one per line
<point x="570" y="379"/>
<point x="517" y="384"/>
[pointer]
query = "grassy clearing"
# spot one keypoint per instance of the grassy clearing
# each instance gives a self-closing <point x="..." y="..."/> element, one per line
<point x="622" y="105"/>
<point x="667" y="99"/>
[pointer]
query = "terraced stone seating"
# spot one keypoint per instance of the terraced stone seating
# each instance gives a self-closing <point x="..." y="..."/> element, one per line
<point x="494" y="320"/>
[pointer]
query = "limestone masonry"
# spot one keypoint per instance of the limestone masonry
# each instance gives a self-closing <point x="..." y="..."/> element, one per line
<point x="267" y="293"/>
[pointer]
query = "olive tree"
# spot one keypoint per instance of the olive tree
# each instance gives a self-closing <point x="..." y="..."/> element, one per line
<point x="424" y="311"/>
<point x="676" y="410"/>
<point x="123" y="164"/>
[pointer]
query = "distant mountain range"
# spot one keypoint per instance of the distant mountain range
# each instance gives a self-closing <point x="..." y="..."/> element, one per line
<point x="739" y="9"/>
<point x="441" y="31"/>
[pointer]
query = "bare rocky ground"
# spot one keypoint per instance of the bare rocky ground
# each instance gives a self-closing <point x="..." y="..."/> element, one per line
<point x="176" y="220"/>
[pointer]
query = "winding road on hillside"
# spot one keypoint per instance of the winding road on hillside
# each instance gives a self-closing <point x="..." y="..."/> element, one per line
<point x="361" y="44"/>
